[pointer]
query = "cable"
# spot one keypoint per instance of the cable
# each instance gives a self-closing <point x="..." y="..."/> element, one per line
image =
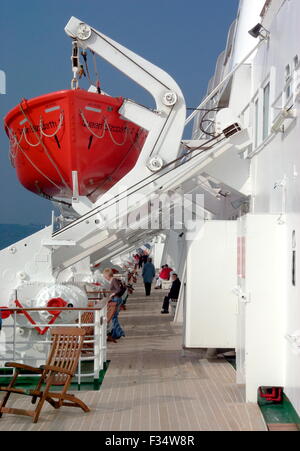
<point x="203" y="120"/>
<point x="84" y="55"/>
<point x="199" y="109"/>
<point x="192" y="149"/>
<point x="96" y="73"/>
<point x="114" y="201"/>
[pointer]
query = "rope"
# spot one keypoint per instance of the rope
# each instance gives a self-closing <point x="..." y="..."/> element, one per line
<point x="36" y="167"/>
<point x="12" y="134"/>
<point x="89" y="129"/>
<point x="61" y="119"/>
<point x="26" y="139"/>
<point x="44" y="148"/>
<point x="16" y="141"/>
<point x="105" y="127"/>
<point x="112" y="138"/>
<point x="84" y="55"/>
<point x="96" y="73"/>
<point x="12" y="142"/>
<point x="108" y="179"/>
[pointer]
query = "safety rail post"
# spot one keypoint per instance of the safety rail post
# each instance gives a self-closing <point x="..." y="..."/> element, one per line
<point x="80" y="357"/>
<point x="97" y="347"/>
<point x="105" y="333"/>
<point x="14" y="337"/>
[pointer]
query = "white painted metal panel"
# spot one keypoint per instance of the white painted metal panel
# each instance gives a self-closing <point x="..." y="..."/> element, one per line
<point x="157" y="253"/>
<point x="211" y="277"/>
<point x="292" y="364"/>
<point x="265" y="302"/>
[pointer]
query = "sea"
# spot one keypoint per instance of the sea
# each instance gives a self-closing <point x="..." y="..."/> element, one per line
<point x="11" y="233"/>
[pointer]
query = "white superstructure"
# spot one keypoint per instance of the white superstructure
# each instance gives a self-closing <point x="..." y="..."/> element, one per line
<point x="263" y="95"/>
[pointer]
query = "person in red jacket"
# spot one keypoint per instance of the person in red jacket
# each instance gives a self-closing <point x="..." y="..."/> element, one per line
<point x="163" y="276"/>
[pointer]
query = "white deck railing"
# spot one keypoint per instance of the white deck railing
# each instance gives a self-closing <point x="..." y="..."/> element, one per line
<point x="33" y="350"/>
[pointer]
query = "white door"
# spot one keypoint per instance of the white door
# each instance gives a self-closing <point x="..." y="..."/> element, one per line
<point x="210" y="277"/>
<point x="261" y="296"/>
<point x="241" y="302"/>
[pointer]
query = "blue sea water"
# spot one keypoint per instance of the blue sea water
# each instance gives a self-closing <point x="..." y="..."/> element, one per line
<point x="11" y="233"/>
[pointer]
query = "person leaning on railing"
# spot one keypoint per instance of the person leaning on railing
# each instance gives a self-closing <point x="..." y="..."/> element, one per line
<point x="117" y="290"/>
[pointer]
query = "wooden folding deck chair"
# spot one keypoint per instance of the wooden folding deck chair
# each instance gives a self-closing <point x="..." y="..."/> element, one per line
<point x="59" y="369"/>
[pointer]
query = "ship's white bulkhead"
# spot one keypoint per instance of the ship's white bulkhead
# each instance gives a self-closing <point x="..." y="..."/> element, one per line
<point x="276" y="181"/>
<point x="264" y="96"/>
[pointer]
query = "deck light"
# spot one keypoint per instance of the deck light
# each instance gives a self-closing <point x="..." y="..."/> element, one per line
<point x="259" y="31"/>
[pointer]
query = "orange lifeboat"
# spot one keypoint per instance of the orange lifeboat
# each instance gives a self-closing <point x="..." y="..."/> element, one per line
<point x="72" y="130"/>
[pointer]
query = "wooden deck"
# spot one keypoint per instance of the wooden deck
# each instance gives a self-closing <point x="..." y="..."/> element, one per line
<point x="151" y="385"/>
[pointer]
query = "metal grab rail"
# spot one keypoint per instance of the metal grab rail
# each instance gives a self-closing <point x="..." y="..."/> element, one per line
<point x="49" y="309"/>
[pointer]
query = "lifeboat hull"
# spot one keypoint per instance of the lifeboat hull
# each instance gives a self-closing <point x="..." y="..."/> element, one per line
<point x="72" y="141"/>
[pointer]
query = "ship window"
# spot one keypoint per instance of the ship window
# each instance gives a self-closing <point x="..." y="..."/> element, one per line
<point x="266" y="111"/>
<point x="230" y="39"/>
<point x="256" y="123"/>
<point x="288" y="82"/>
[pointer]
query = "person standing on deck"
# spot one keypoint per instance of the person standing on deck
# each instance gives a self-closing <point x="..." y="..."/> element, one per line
<point x="117" y="289"/>
<point x="140" y="261"/>
<point x="148" y="276"/>
<point x="136" y="261"/>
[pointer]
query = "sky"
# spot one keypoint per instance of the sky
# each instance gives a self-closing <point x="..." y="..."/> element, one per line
<point x="183" y="37"/>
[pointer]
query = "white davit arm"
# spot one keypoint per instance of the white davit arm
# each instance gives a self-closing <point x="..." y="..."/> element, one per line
<point x="166" y="124"/>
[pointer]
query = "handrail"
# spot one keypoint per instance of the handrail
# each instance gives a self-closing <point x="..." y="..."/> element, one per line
<point x="228" y="76"/>
<point x="49" y="309"/>
<point x="94" y="348"/>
